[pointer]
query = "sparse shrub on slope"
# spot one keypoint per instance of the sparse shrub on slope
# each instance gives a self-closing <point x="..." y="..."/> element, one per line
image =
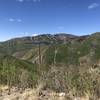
<point x="14" y="72"/>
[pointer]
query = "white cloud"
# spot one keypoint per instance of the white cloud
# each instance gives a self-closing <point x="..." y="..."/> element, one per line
<point x="19" y="20"/>
<point x="93" y="5"/>
<point x="28" y="0"/>
<point x="36" y="0"/>
<point x="11" y="19"/>
<point x="35" y="34"/>
<point x="20" y="0"/>
<point x="15" y="20"/>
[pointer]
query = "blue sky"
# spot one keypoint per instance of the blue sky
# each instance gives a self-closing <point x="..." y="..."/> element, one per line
<point x="30" y="17"/>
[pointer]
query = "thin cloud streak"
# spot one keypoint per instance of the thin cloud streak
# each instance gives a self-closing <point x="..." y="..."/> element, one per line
<point x="11" y="19"/>
<point x="20" y="0"/>
<point x="19" y="20"/>
<point x="93" y="5"/>
<point x="14" y="20"/>
<point x="28" y="1"/>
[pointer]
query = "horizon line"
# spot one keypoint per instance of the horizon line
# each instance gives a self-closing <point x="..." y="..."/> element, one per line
<point x="37" y="34"/>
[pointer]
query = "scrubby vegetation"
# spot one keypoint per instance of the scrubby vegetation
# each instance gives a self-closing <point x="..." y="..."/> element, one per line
<point x="70" y="66"/>
<point x="15" y="72"/>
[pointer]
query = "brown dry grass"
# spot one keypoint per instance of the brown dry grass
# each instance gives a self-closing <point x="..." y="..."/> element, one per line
<point x="33" y="94"/>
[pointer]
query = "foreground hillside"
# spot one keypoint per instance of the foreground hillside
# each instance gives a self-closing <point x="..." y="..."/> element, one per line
<point x="15" y="72"/>
<point x="61" y="63"/>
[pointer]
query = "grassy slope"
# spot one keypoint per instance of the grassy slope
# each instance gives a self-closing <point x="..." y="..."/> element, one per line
<point x="14" y="71"/>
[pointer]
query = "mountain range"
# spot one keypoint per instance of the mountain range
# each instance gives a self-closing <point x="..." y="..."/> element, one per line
<point x="61" y="61"/>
